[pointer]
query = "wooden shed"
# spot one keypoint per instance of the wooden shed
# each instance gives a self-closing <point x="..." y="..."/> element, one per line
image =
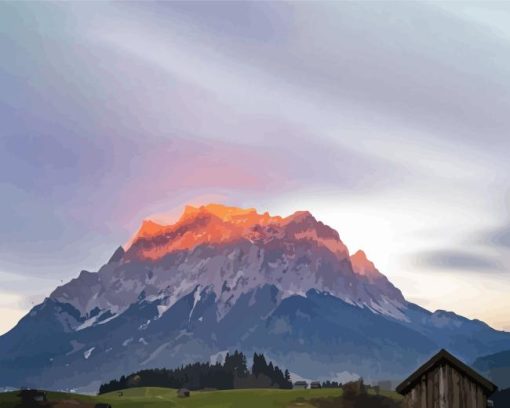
<point x="445" y="382"/>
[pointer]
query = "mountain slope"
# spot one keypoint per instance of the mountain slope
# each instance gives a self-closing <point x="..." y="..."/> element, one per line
<point x="496" y="367"/>
<point x="222" y="278"/>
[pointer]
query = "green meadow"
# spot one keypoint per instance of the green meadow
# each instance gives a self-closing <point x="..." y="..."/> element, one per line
<point x="167" y="398"/>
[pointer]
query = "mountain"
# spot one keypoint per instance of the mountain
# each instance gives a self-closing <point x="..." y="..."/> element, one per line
<point x="496" y="367"/>
<point x="223" y="278"/>
<point x="231" y="251"/>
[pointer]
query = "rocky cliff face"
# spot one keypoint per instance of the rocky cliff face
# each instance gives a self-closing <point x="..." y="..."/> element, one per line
<point x="231" y="251"/>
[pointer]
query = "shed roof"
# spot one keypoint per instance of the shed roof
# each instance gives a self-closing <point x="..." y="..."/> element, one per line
<point x="441" y="357"/>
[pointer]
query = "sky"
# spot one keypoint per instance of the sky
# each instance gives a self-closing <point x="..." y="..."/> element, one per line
<point x="389" y="121"/>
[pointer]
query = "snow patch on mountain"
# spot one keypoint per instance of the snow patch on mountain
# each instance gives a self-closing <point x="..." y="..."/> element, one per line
<point x="104" y="321"/>
<point x="87" y="323"/>
<point x="196" y="299"/>
<point x="390" y="308"/>
<point x="144" y="326"/>
<point x="88" y="353"/>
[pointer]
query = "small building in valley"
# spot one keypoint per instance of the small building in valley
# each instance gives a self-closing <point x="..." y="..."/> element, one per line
<point x="300" y="385"/>
<point x="445" y="382"/>
<point x="183" y="392"/>
<point x="315" y="384"/>
<point x="32" y="396"/>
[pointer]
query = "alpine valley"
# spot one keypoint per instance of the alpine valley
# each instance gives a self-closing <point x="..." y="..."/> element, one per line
<point x="224" y="278"/>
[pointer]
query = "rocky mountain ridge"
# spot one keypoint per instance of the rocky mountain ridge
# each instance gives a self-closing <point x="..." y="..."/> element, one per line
<point x="232" y="251"/>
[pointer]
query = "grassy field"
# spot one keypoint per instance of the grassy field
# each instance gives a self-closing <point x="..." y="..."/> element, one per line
<point x="161" y="397"/>
<point x="166" y="397"/>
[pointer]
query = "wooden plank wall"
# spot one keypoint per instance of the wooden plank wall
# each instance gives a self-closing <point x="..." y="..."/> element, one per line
<point x="445" y="387"/>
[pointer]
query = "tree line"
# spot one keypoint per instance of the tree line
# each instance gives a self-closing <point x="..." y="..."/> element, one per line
<point x="232" y="373"/>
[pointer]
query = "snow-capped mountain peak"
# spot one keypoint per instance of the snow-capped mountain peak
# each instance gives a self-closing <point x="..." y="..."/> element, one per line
<point x="232" y="251"/>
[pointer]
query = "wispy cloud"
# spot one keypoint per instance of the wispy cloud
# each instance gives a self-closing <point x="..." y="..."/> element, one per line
<point x="458" y="261"/>
<point x="498" y="237"/>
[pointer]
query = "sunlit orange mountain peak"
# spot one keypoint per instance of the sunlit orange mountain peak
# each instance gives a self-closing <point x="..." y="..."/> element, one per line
<point x="221" y="211"/>
<point x="229" y="214"/>
<point x="362" y="265"/>
<point x="220" y="224"/>
<point x="149" y="228"/>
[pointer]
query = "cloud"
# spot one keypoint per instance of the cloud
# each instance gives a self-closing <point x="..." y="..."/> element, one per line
<point x="450" y="71"/>
<point x="498" y="237"/>
<point x="456" y="260"/>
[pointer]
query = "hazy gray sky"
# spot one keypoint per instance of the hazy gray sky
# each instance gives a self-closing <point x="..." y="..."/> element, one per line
<point x="388" y="121"/>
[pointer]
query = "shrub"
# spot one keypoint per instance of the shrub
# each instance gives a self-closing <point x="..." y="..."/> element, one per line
<point x="354" y="389"/>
